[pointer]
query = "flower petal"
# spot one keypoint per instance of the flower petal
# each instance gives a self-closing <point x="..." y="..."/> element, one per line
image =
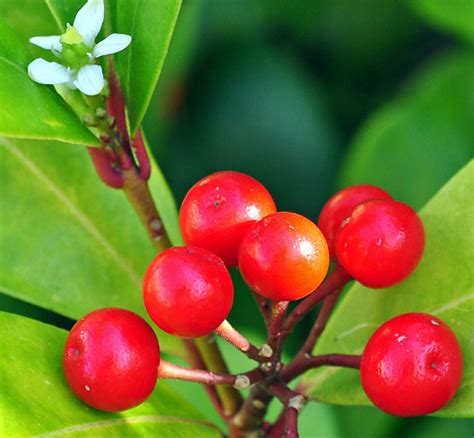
<point x="49" y="73"/>
<point x="47" y="42"/>
<point x="89" y="20"/>
<point x="112" y="44"/>
<point x="90" y="80"/>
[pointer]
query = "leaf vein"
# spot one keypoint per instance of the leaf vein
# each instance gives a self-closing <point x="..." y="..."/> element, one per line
<point x="82" y="219"/>
<point x="123" y="421"/>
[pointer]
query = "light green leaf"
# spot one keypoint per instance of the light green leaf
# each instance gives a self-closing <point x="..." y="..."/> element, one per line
<point x="37" y="401"/>
<point x="69" y="243"/>
<point x="151" y="25"/>
<point x="453" y="16"/>
<point x="28" y="109"/>
<point x="413" y="145"/>
<point x="443" y="285"/>
<point x="64" y="11"/>
<point x="38" y="20"/>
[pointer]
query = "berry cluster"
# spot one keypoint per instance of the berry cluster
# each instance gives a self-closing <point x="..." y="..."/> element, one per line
<point x="412" y="365"/>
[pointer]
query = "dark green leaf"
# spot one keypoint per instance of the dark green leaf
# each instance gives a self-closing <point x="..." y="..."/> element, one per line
<point x="412" y="146"/>
<point x="37" y="401"/>
<point x="28" y="109"/>
<point x="151" y="25"/>
<point x="400" y="154"/>
<point x="443" y="285"/>
<point x="69" y="243"/>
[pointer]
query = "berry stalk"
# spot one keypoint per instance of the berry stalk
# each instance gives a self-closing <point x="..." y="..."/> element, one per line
<point x="167" y="370"/>
<point x="307" y="362"/>
<point x="212" y="357"/>
<point x="294" y="403"/>
<point x="235" y="338"/>
<point x="336" y="280"/>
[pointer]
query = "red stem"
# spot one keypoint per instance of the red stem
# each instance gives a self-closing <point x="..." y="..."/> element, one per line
<point x="142" y="156"/>
<point x="306" y="362"/>
<point x="111" y="177"/>
<point x="294" y="403"/>
<point x="321" y="321"/>
<point x="274" y="326"/>
<point x="196" y="361"/>
<point x="291" y="423"/>
<point x="338" y="278"/>
<point x="233" y="337"/>
<point x="168" y="370"/>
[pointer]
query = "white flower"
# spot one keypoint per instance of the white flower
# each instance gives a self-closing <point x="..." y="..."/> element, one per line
<point x="77" y="51"/>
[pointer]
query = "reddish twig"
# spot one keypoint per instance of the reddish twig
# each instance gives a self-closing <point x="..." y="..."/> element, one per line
<point x="275" y="323"/>
<point x="168" y="370"/>
<point x="110" y="175"/>
<point x="320" y="323"/>
<point x="214" y="361"/>
<point x="233" y="337"/>
<point x="294" y="403"/>
<point x="338" y="278"/>
<point x="264" y="305"/>
<point x="142" y="156"/>
<point x="306" y="362"/>
<point x="195" y="360"/>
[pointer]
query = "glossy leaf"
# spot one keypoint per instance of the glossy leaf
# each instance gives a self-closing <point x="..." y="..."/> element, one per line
<point x="453" y="16"/>
<point x="28" y="109"/>
<point x="37" y="401"/>
<point x="413" y="145"/>
<point x="69" y="243"/>
<point x="443" y="285"/>
<point x="39" y="20"/>
<point x="151" y="26"/>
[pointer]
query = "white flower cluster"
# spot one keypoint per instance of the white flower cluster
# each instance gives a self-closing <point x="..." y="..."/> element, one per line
<point x="77" y="51"/>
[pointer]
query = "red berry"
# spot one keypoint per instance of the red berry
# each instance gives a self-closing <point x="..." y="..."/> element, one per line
<point x="111" y="359"/>
<point x="284" y="257"/>
<point x="412" y="365"/>
<point x="341" y="205"/>
<point x="381" y="243"/>
<point x="188" y="291"/>
<point x="219" y="209"/>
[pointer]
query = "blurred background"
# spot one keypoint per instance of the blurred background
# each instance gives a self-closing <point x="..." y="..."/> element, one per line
<point x="309" y="96"/>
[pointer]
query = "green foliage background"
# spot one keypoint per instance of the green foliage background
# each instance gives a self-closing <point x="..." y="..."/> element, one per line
<point x="307" y="96"/>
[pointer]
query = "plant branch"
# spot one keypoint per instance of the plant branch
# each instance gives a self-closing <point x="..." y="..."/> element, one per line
<point x="274" y="326"/>
<point x="336" y="280"/>
<point x="195" y="360"/>
<point x="264" y="305"/>
<point x="135" y="172"/>
<point x="212" y="357"/>
<point x="235" y="338"/>
<point x="168" y="370"/>
<point x="248" y="421"/>
<point x="320" y="323"/>
<point x="138" y="193"/>
<point x="294" y="403"/>
<point x="306" y="362"/>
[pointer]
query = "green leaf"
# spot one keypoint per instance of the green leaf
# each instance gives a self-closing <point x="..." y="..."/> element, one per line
<point x="36" y="399"/>
<point x="151" y="25"/>
<point x="64" y="11"/>
<point x="69" y="243"/>
<point x="37" y="22"/>
<point x="453" y="16"/>
<point x="443" y="285"/>
<point x="413" y="145"/>
<point x="28" y="109"/>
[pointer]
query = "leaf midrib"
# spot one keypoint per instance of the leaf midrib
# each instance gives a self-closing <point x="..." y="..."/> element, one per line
<point x="77" y="213"/>
<point x="124" y="421"/>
